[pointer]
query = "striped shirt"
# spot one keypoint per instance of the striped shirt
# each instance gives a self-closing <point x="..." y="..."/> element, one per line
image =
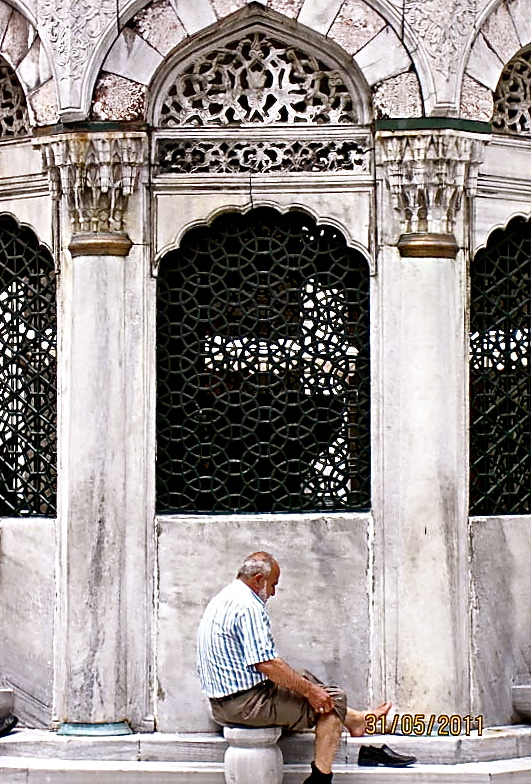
<point x="233" y="636"/>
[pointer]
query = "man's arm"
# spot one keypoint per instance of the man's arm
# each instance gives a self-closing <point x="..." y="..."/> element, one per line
<point x="278" y="671"/>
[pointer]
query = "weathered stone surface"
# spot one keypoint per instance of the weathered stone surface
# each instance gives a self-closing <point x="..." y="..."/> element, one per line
<point x="117" y="98"/>
<point x="501" y="640"/>
<point x="519" y="10"/>
<point x="290" y="8"/>
<point x="484" y="65"/>
<point x="43" y="103"/>
<point x="226" y="7"/>
<point x="34" y="69"/>
<point x="318" y="15"/>
<point x="194" y="16"/>
<point x="398" y="96"/>
<point x="355" y="25"/>
<point x="18" y="38"/>
<point x="132" y="58"/>
<point x="500" y="33"/>
<point x="476" y="100"/>
<point x="383" y="57"/>
<point x="159" y="26"/>
<point x="27" y="615"/>
<point x="331" y="549"/>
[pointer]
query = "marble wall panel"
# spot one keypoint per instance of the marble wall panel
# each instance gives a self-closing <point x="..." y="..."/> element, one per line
<point x="355" y="25"/>
<point x="484" y="65"/>
<point x="194" y="16"/>
<point x="318" y="15"/>
<point x="158" y="25"/>
<point x="519" y="10"/>
<point x="501" y="644"/>
<point x="132" y="58"/>
<point x="383" y="57"/>
<point x="27" y="595"/>
<point x="320" y="616"/>
<point x="500" y="32"/>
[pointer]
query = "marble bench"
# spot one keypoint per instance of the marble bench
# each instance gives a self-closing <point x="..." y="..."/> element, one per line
<point x="253" y="756"/>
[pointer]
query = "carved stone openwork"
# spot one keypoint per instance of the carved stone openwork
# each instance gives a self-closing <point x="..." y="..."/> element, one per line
<point x="256" y="79"/>
<point x="96" y="174"/>
<point x="226" y="156"/>
<point x="512" y="99"/>
<point x="14" y="119"/>
<point x="428" y="173"/>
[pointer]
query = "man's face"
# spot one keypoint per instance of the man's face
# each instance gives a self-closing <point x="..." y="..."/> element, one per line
<point x="270" y="583"/>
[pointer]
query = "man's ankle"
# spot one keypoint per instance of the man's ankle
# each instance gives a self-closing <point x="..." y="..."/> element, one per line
<point x="318" y="777"/>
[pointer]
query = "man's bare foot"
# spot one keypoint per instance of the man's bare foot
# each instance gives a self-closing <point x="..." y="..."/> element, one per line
<point x="355" y="722"/>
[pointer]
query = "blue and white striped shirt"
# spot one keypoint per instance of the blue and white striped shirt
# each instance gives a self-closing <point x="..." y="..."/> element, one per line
<point x="233" y="636"/>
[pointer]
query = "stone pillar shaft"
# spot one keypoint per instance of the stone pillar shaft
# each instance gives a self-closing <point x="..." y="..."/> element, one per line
<point x="423" y="524"/>
<point x="100" y="632"/>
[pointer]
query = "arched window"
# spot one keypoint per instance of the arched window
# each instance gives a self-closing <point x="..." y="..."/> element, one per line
<point x="263" y="368"/>
<point x="512" y="98"/>
<point x="500" y="373"/>
<point x="27" y="373"/>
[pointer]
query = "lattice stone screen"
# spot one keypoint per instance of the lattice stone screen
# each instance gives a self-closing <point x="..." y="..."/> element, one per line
<point x="256" y="79"/>
<point x="263" y="369"/>
<point x="500" y="374"/>
<point x="14" y="119"/>
<point x="512" y="99"/>
<point x="27" y="373"/>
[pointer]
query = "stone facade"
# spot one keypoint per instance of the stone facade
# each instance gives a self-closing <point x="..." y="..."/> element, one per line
<point x="130" y="125"/>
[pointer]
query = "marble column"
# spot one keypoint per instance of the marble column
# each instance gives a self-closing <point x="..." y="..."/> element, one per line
<point x="421" y="514"/>
<point x="100" y="638"/>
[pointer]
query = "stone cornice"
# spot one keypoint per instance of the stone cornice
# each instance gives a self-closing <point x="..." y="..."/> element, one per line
<point x="95" y="173"/>
<point x="427" y="173"/>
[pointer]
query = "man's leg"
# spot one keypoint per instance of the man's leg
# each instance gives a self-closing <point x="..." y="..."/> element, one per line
<point x="327" y="736"/>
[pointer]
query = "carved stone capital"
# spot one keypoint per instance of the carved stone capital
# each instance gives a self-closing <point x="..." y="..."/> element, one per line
<point x="427" y="173"/>
<point x="95" y="174"/>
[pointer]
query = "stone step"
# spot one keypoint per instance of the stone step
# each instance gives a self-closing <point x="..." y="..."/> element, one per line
<point x="24" y="770"/>
<point x="6" y="702"/>
<point x="495" y="744"/>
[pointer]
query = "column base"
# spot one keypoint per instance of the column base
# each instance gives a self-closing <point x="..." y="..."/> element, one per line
<point x="95" y="730"/>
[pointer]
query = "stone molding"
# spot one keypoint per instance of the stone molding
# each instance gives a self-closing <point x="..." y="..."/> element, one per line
<point x="427" y="173"/>
<point x="103" y="244"/>
<point x="426" y="245"/>
<point x="95" y="174"/>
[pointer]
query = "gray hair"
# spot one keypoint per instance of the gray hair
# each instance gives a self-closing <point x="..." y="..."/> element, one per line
<point x="257" y="563"/>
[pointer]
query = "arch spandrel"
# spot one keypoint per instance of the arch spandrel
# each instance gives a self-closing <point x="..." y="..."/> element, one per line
<point x="362" y="31"/>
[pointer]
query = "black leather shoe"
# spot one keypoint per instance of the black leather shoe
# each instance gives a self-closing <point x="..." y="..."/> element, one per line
<point x="371" y="756"/>
<point x="7" y="723"/>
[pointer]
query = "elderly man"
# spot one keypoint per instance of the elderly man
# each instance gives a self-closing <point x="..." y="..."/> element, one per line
<point x="247" y="683"/>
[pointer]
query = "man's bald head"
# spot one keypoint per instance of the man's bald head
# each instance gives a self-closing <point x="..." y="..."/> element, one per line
<point x="260" y="571"/>
<point x="260" y="563"/>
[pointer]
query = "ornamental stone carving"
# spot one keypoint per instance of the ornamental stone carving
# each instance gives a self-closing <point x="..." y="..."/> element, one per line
<point x="512" y="99"/>
<point x="428" y="173"/>
<point x="73" y="29"/>
<point x="443" y="29"/>
<point x="95" y="174"/>
<point x="193" y="156"/>
<point x="256" y="79"/>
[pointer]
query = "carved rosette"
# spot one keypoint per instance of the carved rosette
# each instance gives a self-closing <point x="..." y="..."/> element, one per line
<point x="428" y="173"/>
<point x="95" y="174"/>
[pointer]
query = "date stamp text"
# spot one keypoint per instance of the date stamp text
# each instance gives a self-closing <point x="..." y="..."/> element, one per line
<point x="421" y="724"/>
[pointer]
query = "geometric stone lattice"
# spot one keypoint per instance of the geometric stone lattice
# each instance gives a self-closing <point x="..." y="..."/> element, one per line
<point x="27" y="373"/>
<point x="185" y="156"/>
<point x="263" y="368"/>
<point x="500" y="374"/>
<point x="14" y="119"/>
<point x="256" y="79"/>
<point x="512" y="99"/>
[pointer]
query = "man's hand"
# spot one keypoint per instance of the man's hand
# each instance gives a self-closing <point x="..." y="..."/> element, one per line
<point x="320" y="700"/>
<point x="278" y="671"/>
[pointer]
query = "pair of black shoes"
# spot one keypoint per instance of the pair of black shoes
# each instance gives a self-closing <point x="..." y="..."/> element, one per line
<point x="372" y="756"/>
<point x="7" y="723"/>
